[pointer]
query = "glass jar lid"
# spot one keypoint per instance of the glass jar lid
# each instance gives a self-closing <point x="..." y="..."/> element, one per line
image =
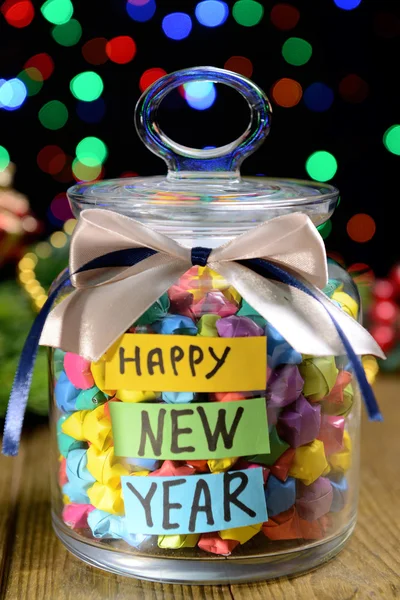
<point x="203" y="188"/>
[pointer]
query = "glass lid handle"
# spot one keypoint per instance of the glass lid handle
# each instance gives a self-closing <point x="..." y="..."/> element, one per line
<point x="183" y="161"/>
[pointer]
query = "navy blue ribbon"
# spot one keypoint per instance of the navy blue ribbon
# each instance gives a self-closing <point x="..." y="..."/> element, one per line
<point x="126" y="258"/>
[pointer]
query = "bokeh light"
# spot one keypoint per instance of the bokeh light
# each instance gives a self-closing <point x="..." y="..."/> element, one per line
<point x="325" y="229"/>
<point x="82" y="172"/>
<point x="353" y="88"/>
<point x="65" y="175"/>
<point x="51" y="159"/>
<point x="87" y="86"/>
<point x="284" y="16"/>
<point x="67" y="34"/>
<point x="18" y="13"/>
<point x="296" y="51"/>
<point x="347" y="4"/>
<point x="318" y="97"/>
<point x="32" y="79"/>
<point x="69" y="226"/>
<point x="385" y="311"/>
<point x="53" y="115"/>
<point x="391" y="139"/>
<point x="12" y="94"/>
<point x="60" y="207"/>
<point x="58" y="239"/>
<point x="121" y="49"/>
<point x="361" y="228"/>
<point x="140" y="10"/>
<point x="383" y="289"/>
<point x="94" y="51"/>
<point x="200" y="94"/>
<point x="239" y="64"/>
<point x="4" y="158"/>
<point x="383" y="335"/>
<point x="287" y="92"/>
<point x="211" y="13"/>
<point x="321" y="165"/>
<point x="91" y="151"/>
<point x="91" y="112"/>
<point x="247" y="12"/>
<point x="150" y="76"/>
<point x="43" y="63"/>
<point x="177" y="26"/>
<point x="57" y="11"/>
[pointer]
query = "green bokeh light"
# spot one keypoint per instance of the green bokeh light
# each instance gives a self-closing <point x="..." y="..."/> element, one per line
<point x="67" y="34"/>
<point x="87" y="86"/>
<point x="321" y="165"/>
<point x="296" y="51"/>
<point x="391" y="139"/>
<point x="247" y="12"/>
<point x="325" y="229"/>
<point x="33" y="84"/>
<point x="4" y="158"/>
<point x="53" y="115"/>
<point x="91" y="151"/>
<point x="57" y="11"/>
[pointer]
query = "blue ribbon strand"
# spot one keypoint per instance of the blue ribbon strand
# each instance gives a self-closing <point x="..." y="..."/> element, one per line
<point x="126" y="258"/>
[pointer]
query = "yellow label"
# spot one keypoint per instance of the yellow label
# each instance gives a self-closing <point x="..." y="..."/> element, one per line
<point x="184" y="363"/>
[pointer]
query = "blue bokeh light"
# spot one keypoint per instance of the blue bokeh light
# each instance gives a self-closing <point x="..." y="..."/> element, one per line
<point x="347" y="4"/>
<point x="12" y="94"/>
<point x="141" y="12"/>
<point x="318" y="97"/>
<point x="91" y="112"/>
<point x="177" y="26"/>
<point x="212" y="13"/>
<point x="200" y="94"/>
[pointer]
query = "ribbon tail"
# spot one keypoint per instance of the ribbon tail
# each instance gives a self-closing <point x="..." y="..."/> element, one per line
<point x="336" y="315"/>
<point x="300" y="319"/>
<point x="90" y="320"/>
<point x="23" y="376"/>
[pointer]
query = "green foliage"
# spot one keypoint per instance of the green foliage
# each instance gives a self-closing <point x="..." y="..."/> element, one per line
<point x="16" y="317"/>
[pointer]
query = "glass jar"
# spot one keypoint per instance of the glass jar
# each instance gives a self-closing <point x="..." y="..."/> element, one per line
<point x="192" y="519"/>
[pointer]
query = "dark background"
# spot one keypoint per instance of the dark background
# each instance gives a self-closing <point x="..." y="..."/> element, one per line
<point x="363" y="41"/>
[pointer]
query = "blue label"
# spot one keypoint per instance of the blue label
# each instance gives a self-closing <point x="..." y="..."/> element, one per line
<point x="194" y="504"/>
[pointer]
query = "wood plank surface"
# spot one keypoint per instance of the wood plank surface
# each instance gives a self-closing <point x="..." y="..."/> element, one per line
<point x="35" y="566"/>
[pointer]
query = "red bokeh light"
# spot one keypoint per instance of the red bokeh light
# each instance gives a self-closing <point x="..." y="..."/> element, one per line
<point x="121" y="49"/>
<point x="129" y="174"/>
<point x="284" y="16"/>
<point x="384" y="335"/>
<point x="43" y="63"/>
<point x="383" y="289"/>
<point x="353" y="88"/>
<point x="51" y="159"/>
<point x="384" y="312"/>
<point x="394" y="277"/>
<point x="239" y="64"/>
<point x="94" y="51"/>
<point x="60" y="207"/>
<point x="65" y="175"/>
<point x="361" y="228"/>
<point x="150" y="76"/>
<point x="18" y="13"/>
<point x="287" y="92"/>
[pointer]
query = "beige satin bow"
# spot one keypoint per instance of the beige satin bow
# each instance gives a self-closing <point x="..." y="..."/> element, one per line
<point x="107" y="301"/>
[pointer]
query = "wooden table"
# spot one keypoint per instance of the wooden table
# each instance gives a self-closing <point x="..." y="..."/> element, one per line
<point x="35" y="566"/>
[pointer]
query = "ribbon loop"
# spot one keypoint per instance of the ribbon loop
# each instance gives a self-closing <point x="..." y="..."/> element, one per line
<point x="119" y="264"/>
